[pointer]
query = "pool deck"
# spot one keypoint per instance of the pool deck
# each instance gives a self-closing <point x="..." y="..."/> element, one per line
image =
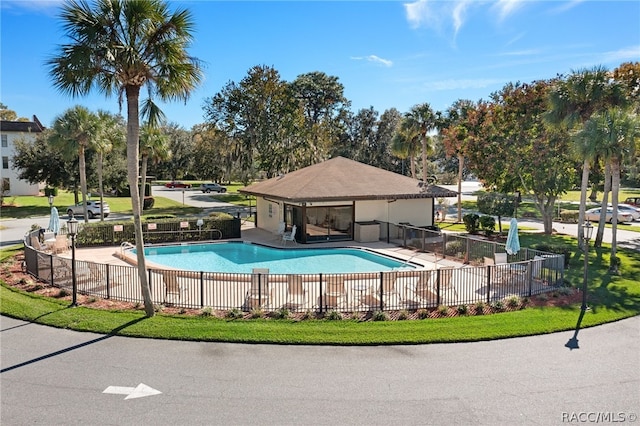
<point x="108" y="255"/>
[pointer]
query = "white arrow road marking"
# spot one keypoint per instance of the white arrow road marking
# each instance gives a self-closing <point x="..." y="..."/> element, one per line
<point x="139" y="391"/>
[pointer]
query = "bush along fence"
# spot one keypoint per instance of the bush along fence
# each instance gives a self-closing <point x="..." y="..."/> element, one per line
<point x="400" y="289"/>
<point x="157" y="231"/>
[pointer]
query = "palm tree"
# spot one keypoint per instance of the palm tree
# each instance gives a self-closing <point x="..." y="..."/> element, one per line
<point x="421" y="120"/>
<point x="72" y="133"/>
<point x="454" y="130"/>
<point x="405" y="145"/>
<point x="616" y="132"/>
<point x="119" y="47"/>
<point x="572" y="102"/>
<point x="154" y="146"/>
<point x="108" y="136"/>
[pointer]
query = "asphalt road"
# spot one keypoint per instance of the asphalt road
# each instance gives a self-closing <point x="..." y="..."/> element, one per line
<point x="59" y="377"/>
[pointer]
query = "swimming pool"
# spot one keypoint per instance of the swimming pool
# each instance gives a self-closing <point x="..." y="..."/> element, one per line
<point x="239" y="257"/>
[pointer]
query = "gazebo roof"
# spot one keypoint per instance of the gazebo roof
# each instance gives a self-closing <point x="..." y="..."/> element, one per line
<point x="340" y="179"/>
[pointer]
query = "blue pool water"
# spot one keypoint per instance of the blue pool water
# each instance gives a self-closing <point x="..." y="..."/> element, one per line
<point x="243" y="257"/>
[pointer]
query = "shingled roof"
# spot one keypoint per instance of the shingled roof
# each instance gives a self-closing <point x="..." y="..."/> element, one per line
<point x="22" y="126"/>
<point x="340" y="179"/>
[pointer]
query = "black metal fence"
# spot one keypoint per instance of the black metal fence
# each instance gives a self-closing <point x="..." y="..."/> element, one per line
<point x="392" y="290"/>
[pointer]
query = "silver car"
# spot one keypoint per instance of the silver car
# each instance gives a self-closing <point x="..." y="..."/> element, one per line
<point x="593" y="215"/>
<point x="93" y="209"/>
<point x="208" y="187"/>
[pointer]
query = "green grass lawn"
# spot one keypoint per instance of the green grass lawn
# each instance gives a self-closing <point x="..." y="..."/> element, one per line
<point x="610" y="297"/>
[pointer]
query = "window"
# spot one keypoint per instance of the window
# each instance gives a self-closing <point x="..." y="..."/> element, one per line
<point x="4" y="141"/>
<point x="5" y="162"/>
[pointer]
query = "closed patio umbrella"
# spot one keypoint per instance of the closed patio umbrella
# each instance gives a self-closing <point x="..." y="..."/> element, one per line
<point x="54" y="221"/>
<point x="513" y="241"/>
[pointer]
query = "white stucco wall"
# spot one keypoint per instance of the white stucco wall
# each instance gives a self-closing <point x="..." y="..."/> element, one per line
<point x="18" y="187"/>
<point x="269" y="214"/>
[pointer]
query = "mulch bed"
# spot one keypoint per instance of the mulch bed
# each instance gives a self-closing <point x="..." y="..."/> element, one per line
<point x="11" y="272"/>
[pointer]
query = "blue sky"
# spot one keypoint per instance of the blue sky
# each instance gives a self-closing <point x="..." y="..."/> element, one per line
<point x="385" y="53"/>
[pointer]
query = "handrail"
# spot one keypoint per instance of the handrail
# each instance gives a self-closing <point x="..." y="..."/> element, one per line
<point x="125" y="245"/>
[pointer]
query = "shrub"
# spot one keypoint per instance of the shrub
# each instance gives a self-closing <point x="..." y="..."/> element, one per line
<point x="234" y="313"/>
<point x="471" y="222"/>
<point x="63" y="292"/>
<point x="443" y="310"/>
<point x="282" y="313"/>
<point x="403" y="314"/>
<point x="454" y="247"/>
<point x="497" y="306"/>
<point x="380" y="316"/>
<point x="569" y="216"/>
<point x="488" y="225"/>
<point x="513" y="301"/>
<point x="257" y="313"/>
<point x="205" y="312"/>
<point x="334" y="315"/>
<point x="463" y="309"/>
<point x="479" y="308"/>
<point x="423" y="314"/>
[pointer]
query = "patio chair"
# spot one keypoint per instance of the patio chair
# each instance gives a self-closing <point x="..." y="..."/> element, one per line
<point x="173" y="290"/>
<point x="35" y="243"/>
<point x="61" y="244"/>
<point x="445" y="284"/>
<point x="290" y="236"/>
<point x="497" y="272"/>
<point x="335" y="294"/>
<point x="389" y="287"/>
<point x="296" y="294"/>
<point x="423" y="294"/>
<point x="96" y="272"/>
<point x="258" y="294"/>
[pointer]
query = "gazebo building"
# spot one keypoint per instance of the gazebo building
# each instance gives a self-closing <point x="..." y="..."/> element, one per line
<point x="342" y="199"/>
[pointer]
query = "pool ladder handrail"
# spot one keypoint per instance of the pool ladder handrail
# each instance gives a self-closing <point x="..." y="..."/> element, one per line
<point x="124" y="246"/>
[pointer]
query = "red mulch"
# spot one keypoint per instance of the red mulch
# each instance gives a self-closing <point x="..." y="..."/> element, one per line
<point x="11" y="272"/>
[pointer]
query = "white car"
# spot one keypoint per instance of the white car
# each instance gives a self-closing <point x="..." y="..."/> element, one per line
<point x="632" y="210"/>
<point x="593" y="215"/>
<point x="93" y="209"/>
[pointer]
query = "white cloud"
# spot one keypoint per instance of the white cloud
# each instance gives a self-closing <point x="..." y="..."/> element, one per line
<point x="507" y="7"/>
<point x="374" y="58"/>
<point x="630" y="54"/>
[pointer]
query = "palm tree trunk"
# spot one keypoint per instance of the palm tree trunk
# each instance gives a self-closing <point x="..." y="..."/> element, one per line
<point x="83" y="180"/>
<point x="133" y="149"/>
<point x="583" y="199"/>
<point x="100" y="159"/>
<point x="143" y="177"/>
<point x="615" y="187"/>
<point x="413" y="166"/>
<point x="424" y="158"/>
<point x="460" y="168"/>
<point x="603" y="206"/>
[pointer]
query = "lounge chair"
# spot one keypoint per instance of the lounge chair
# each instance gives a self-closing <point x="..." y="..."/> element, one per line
<point x="258" y="294"/>
<point x="173" y="290"/>
<point x="290" y="236"/>
<point x="296" y="294"/>
<point x="335" y="294"/>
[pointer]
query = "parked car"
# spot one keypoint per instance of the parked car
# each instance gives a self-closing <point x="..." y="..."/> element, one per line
<point x="213" y="187"/>
<point x="594" y="215"/>
<point x="177" y="184"/>
<point x="93" y="209"/>
<point x="632" y="210"/>
<point x="634" y="201"/>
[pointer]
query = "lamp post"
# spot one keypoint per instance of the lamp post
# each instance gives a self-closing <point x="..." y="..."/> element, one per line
<point x="587" y="231"/>
<point x="72" y="230"/>
<point x="50" y="200"/>
<point x="199" y="223"/>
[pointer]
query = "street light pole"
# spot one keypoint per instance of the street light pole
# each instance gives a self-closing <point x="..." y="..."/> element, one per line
<point x="587" y="231"/>
<point x="72" y="230"/>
